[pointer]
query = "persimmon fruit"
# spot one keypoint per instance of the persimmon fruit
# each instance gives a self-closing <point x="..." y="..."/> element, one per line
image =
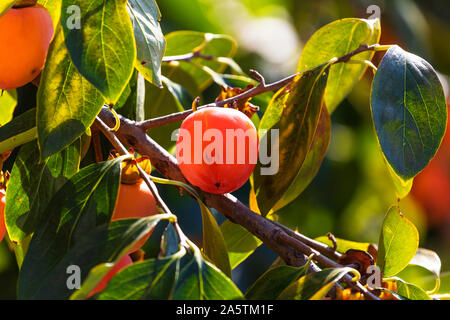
<point x="2" y="214"/>
<point x="25" y="36"/>
<point x="135" y="201"/>
<point x="217" y="149"/>
<point x="122" y="263"/>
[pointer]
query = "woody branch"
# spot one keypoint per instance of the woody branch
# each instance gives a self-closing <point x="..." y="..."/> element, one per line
<point x="292" y="249"/>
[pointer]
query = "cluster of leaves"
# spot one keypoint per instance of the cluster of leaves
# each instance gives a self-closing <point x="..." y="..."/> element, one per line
<point x="59" y="202"/>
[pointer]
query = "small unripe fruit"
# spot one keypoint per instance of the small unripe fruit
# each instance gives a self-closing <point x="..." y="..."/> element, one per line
<point x="25" y="36"/>
<point x="135" y="201"/>
<point x="217" y="149"/>
<point x="2" y="214"/>
<point x="122" y="263"/>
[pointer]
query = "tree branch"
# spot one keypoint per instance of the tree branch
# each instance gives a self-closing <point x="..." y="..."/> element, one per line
<point x="123" y="151"/>
<point x="151" y="185"/>
<point x="261" y="88"/>
<point x="293" y="251"/>
<point x="227" y="204"/>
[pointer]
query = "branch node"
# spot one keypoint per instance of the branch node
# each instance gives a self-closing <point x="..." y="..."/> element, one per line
<point x="333" y="240"/>
<point x="257" y="76"/>
<point x="195" y="104"/>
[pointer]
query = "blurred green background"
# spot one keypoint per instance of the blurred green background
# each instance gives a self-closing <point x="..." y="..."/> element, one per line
<point x="352" y="191"/>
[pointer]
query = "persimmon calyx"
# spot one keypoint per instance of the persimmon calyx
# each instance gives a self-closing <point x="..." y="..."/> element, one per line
<point x="242" y="105"/>
<point x="4" y="179"/>
<point x="130" y="172"/>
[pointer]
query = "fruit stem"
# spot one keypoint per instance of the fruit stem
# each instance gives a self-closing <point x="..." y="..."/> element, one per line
<point x="24" y="3"/>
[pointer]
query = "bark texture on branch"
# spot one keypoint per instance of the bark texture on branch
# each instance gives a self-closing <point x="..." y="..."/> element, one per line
<point x="293" y="251"/>
<point x="227" y="204"/>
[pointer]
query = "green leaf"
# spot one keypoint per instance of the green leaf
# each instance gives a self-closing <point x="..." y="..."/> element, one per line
<point x="104" y="243"/>
<point x="411" y="291"/>
<point x="180" y="95"/>
<point x="182" y="78"/>
<point x="409" y="111"/>
<point x="270" y="285"/>
<point x="150" y="42"/>
<point x="315" y="285"/>
<point x="5" y="6"/>
<point x="201" y="280"/>
<point x="160" y="102"/>
<point x="180" y="276"/>
<point x="214" y="246"/>
<point x="399" y="240"/>
<point x="20" y="250"/>
<point x="33" y="184"/>
<point x="312" y="163"/>
<point x="18" y="131"/>
<point x="335" y="40"/>
<point x="85" y="201"/>
<point x="402" y="187"/>
<point x="420" y="277"/>
<point x="115" y="240"/>
<point x="152" y="279"/>
<point x="170" y="242"/>
<point x="185" y="42"/>
<point x="344" y="245"/>
<point x="240" y="242"/>
<point x="294" y="114"/>
<point x="103" y="49"/>
<point x="408" y="291"/>
<point x="8" y="101"/>
<point x="67" y="103"/>
<point x="127" y="103"/>
<point x="444" y="288"/>
<point x="430" y="261"/>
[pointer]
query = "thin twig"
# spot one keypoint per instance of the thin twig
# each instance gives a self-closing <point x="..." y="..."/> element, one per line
<point x="257" y="90"/>
<point x="175" y="117"/>
<point x="316" y="245"/>
<point x="332" y="238"/>
<point x="324" y="261"/>
<point x="187" y="57"/>
<point x="227" y="204"/>
<point x="120" y="148"/>
<point x="151" y="185"/>
<point x="96" y="142"/>
<point x="111" y="136"/>
<point x="255" y="74"/>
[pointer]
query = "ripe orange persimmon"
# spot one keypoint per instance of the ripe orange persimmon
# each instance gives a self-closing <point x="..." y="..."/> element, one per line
<point x="122" y="263"/>
<point x="2" y="214"/>
<point x="135" y="201"/>
<point x="217" y="149"/>
<point x="25" y="36"/>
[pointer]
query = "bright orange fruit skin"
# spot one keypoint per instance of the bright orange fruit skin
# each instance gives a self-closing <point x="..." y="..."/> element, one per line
<point x="135" y="201"/>
<point x="123" y="262"/>
<point x="225" y="177"/>
<point x="2" y="215"/>
<point x="25" y="35"/>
